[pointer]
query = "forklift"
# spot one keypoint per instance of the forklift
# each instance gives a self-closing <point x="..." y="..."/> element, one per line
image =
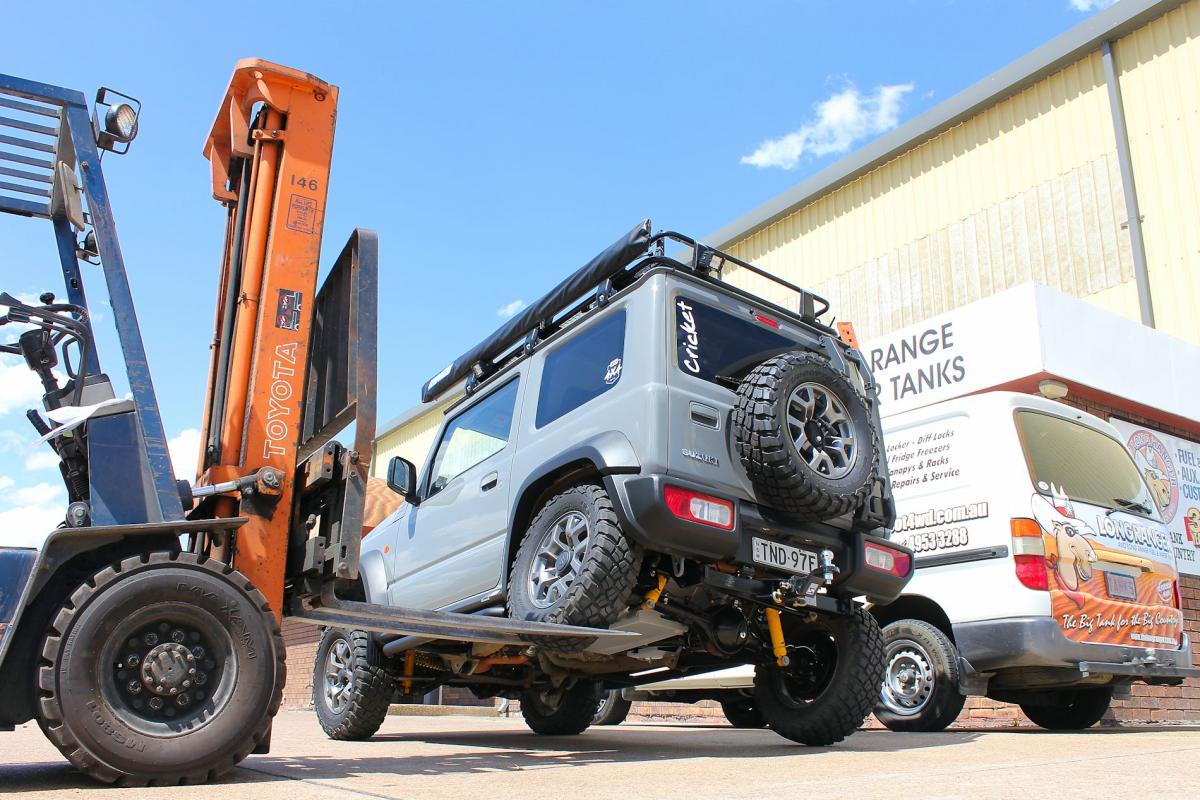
<point x="143" y="635"/>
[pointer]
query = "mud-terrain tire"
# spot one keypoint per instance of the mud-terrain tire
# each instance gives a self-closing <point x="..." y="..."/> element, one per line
<point x="612" y="709"/>
<point x="594" y="580"/>
<point x="1076" y="710"/>
<point x="919" y="692"/>
<point x="824" y="704"/>
<point x="805" y="437"/>
<point x="156" y="602"/>
<point x="568" y="713"/>
<point x="742" y="713"/>
<point x="352" y="684"/>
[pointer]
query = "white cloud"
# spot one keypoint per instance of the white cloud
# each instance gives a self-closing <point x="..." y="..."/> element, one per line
<point x="842" y="119"/>
<point x="40" y="494"/>
<point x="504" y="312"/>
<point x="5" y="482"/>
<point x="42" y="459"/>
<point x="22" y="389"/>
<point x="1090" y="5"/>
<point x="185" y="453"/>
<point x="28" y="526"/>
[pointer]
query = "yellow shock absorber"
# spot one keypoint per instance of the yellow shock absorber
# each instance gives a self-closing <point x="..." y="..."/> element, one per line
<point x="775" y="628"/>
<point x="655" y="593"/>
<point x="410" y="660"/>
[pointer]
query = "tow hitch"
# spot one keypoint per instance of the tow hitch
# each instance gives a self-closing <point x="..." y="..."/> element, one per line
<point x="801" y="590"/>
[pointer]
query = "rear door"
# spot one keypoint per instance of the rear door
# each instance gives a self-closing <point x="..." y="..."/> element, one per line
<point x="1109" y="565"/>
<point x="451" y="547"/>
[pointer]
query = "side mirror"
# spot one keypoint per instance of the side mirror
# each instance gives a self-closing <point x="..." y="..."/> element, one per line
<point x="402" y="478"/>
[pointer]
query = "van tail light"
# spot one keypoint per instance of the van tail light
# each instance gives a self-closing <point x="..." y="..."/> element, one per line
<point x="702" y="508"/>
<point x="1178" y="593"/>
<point x="1029" y="554"/>
<point x="885" y="559"/>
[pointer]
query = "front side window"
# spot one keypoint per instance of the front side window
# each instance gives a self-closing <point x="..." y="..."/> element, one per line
<point x="474" y="435"/>
<point x="1082" y="463"/>
<point x="721" y="347"/>
<point x="582" y="368"/>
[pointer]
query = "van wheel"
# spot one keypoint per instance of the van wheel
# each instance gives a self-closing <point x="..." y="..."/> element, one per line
<point x="742" y="713"/>
<point x="563" y="712"/>
<point x="163" y="669"/>
<point x="831" y="683"/>
<point x="920" y="679"/>
<point x="352" y="686"/>
<point x="1069" y="709"/>
<point x="574" y="567"/>
<point x="804" y="436"/>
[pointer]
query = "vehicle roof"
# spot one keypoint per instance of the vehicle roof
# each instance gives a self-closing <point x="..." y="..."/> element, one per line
<point x="996" y="403"/>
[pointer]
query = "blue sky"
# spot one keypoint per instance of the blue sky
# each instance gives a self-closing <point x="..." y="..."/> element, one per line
<point x="494" y="146"/>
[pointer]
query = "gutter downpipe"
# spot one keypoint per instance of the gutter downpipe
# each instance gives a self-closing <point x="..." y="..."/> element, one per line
<point x="1132" y="209"/>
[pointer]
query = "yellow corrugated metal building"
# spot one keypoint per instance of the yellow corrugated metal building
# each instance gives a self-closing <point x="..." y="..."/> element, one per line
<point x="1024" y="177"/>
<point x="1017" y="179"/>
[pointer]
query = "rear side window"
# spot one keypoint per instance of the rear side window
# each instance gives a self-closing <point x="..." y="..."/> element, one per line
<point x="1082" y="463"/>
<point x="720" y="347"/>
<point x="582" y="368"/>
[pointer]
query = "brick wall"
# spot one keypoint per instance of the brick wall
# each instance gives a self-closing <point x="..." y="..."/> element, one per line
<point x="301" y="642"/>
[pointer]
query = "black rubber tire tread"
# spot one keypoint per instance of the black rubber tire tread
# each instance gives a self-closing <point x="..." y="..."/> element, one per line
<point x="1084" y="710"/>
<point x="50" y="713"/>
<point x="374" y="687"/>
<point x="782" y="479"/>
<point x="946" y="701"/>
<point x="613" y="708"/>
<point x="573" y="714"/>
<point x="848" y="698"/>
<point x="601" y="592"/>
<point x="742" y="713"/>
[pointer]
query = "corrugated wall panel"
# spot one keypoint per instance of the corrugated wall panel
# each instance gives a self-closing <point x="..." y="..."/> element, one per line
<point x="1052" y="127"/>
<point x="1159" y="68"/>
<point x="411" y="441"/>
<point x="1065" y="233"/>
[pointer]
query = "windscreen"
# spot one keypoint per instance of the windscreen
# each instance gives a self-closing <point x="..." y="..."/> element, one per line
<point x="1082" y="463"/>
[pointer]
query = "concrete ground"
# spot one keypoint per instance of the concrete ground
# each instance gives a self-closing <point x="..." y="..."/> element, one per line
<point x="474" y="757"/>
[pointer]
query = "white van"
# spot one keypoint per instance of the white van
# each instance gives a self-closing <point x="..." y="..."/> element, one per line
<point x="1044" y="577"/>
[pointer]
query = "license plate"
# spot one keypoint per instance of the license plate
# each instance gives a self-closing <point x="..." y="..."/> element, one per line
<point x="1121" y="586"/>
<point x="783" y="556"/>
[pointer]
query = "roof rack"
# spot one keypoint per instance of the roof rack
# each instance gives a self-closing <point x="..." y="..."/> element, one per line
<point x="593" y="284"/>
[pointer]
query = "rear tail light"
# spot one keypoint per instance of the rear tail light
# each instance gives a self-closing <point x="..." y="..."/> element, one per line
<point x="1178" y="594"/>
<point x="1029" y="554"/>
<point x="702" y="508"/>
<point x="885" y="559"/>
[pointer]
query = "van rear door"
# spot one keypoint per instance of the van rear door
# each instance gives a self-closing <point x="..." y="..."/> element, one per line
<point x="1109" y="565"/>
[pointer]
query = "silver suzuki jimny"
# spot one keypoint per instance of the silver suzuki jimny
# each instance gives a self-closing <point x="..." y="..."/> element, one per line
<point x="646" y="449"/>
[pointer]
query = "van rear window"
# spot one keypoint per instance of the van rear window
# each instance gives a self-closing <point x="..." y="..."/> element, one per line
<point x="720" y="347"/>
<point x="1082" y="463"/>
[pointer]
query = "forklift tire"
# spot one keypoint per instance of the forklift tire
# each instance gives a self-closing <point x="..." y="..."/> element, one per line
<point x="166" y="668"/>
<point x="563" y="713"/>
<point x="831" y="683"/>
<point x="352" y="686"/>
<point x="575" y="566"/>
<point x="805" y="437"/>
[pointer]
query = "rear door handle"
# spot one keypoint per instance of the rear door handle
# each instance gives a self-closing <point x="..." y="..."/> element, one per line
<point x="490" y="481"/>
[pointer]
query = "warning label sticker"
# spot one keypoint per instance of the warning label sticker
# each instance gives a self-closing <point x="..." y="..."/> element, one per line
<point x="287" y="310"/>
<point x="302" y="214"/>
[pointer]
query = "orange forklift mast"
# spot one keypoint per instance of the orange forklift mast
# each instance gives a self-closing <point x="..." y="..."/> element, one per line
<point x="270" y="149"/>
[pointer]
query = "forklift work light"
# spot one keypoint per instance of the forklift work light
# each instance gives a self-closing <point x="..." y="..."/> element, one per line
<point x="121" y="122"/>
<point x="115" y="120"/>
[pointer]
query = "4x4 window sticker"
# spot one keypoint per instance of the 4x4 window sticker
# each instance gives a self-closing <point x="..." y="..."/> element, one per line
<point x="697" y="356"/>
<point x="435" y="462"/>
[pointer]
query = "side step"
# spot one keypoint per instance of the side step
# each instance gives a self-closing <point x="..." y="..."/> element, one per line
<point x="328" y="610"/>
